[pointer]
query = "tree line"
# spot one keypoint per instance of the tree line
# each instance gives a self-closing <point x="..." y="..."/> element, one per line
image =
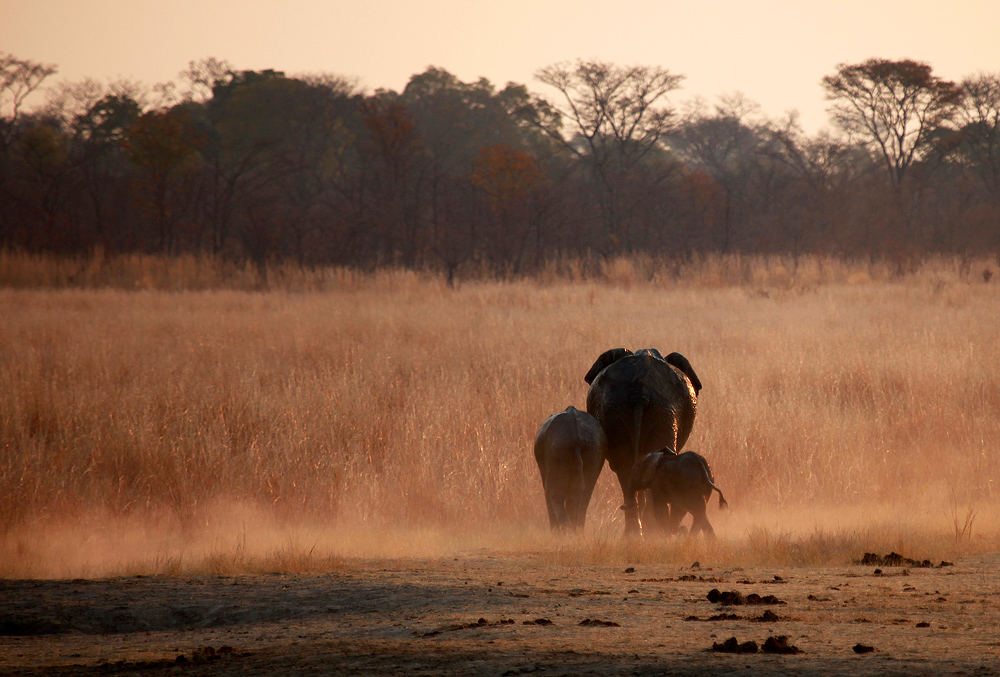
<point x="260" y="166"/>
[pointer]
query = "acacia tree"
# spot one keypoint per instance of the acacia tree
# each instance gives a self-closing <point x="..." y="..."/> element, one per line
<point x="616" y="119"/>
<point x="892" y="106"/>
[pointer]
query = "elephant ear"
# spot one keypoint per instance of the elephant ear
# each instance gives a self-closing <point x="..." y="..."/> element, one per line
<point x="644" y="470"/>
<point x="681" y="362"/>
<point x="604" y="361"/>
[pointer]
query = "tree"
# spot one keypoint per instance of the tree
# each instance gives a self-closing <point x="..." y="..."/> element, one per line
<point x="201" y="77"/>
<point x="18" y="79"/>
<point x="616" y="120"/>
<point x="827" y="168"/>
<point x="979" y="121"/>
<point x="893" y="106"/>
<point x="386" y="188"/>
<point x="231" y="150"/>
<point x="978" y="148"/>
<point x="40" y="188"/>
<point x="98" y="136"/>
<point x="728" y="145"/>
<point x="508" y="177"/>
<point x="454" y="121"/>
<point x="165" y="144"/>
<point x="288" y="135"/>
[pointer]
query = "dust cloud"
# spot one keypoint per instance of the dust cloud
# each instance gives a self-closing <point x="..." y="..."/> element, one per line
<point x="232" y="537"/>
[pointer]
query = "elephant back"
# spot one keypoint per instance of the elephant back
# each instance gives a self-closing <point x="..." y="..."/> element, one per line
<point x="570" y="428"/>
<point x="658" y="390"/>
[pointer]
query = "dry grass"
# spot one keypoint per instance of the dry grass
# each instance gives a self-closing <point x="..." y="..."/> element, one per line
<point x="147" y="431"/>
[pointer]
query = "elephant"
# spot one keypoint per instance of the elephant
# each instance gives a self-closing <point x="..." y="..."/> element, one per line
<point x="569" y="450"/>
<point x="678" y="484"/>
<point x="644" y="402"/>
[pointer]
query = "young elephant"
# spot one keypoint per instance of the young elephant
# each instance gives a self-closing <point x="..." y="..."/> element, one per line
<point x="678" y="484"/>
<point x="569" y="450"/>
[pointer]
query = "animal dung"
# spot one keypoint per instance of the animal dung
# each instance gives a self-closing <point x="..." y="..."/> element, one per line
<point x="734" y="598"/>
<point x="779" y="645"/>
<point x="733" y="645"/>
<point x="894" y="559"/>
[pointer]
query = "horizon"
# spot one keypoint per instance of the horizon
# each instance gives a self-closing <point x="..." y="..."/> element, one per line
<point x="382" y="44"/>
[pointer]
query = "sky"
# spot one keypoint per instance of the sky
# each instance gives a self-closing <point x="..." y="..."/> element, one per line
<point x="773" y="52"/>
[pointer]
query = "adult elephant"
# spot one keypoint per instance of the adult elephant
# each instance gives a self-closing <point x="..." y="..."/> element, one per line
<point x="644" y="402"/>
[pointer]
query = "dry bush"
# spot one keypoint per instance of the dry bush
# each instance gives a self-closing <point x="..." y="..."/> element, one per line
<point x="227" y="430"/>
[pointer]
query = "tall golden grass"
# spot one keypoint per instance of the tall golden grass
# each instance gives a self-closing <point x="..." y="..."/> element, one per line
<point x="844" y="408"/>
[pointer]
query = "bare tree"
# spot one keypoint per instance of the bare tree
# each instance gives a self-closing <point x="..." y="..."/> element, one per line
<point x="616" y="120"/>
<point x="979" y="120"/>
<point x="201" y="77"/>
<point x="727" y="143"/>
<point x="893" y="106"/>
<point x="18" y="79"/>
<point x="978" y="144"/>
<point x="66" y="101"/>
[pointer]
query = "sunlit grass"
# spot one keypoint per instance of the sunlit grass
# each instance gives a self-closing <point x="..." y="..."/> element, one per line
<point x="845" y="409"/>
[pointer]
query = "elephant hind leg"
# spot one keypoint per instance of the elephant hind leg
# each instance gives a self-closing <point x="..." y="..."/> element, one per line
<point x="578" y="512"/>
<point x="556" y="504"/>
<point x="701" y="523"/>
<point x="631" y="507"/>
<point x="664" y="520"/>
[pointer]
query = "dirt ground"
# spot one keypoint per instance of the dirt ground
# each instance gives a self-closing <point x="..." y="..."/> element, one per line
<point x="480" y="613"/>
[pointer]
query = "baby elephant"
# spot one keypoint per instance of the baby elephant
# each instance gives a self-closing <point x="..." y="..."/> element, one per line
<point x="678" y="484"/>
<point x="569" y="450"/>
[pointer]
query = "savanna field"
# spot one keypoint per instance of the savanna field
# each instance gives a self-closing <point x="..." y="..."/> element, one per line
<point x="173" y="427"/>
<point x="333" y="473"/>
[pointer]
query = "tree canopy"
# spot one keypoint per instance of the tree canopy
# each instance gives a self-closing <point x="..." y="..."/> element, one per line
<point x="263" y="166"/>
<point x="894" y="106"/>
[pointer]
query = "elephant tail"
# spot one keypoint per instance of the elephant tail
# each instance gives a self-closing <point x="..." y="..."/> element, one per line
<point x="723" y="503"/>
<point x="635" y="476"/>
<point x="710" y="480"/>
<point x="580" y="480"/>
<point x="637" y="409"/>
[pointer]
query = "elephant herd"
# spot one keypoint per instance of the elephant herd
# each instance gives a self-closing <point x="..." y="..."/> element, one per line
<point x="640" y="410"/>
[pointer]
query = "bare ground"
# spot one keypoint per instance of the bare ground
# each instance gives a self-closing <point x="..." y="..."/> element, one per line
<point x="482" y="613"/>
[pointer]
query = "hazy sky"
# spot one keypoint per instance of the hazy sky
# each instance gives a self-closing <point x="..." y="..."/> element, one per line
<point x="773" y="51"/>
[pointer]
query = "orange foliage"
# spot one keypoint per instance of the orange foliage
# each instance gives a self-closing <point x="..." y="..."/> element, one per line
<point x="506" y="174"/>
